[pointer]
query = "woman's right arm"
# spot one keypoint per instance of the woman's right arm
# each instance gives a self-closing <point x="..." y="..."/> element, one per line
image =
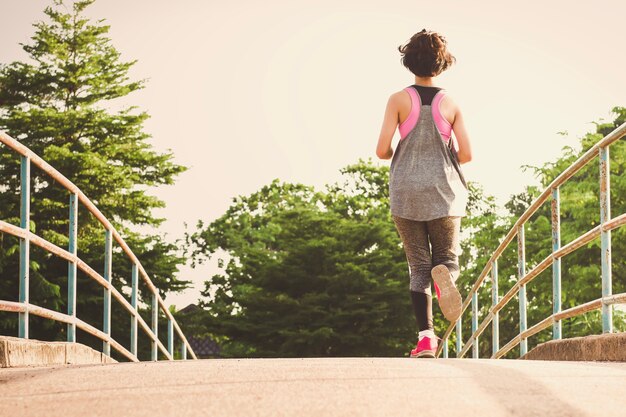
<point x="460" y="132"/>
<point x="390" y="123"/>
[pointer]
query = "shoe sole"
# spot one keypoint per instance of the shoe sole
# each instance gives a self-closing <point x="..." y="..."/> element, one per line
<point x="425" y="354"/>
<point x="450" y="301"/>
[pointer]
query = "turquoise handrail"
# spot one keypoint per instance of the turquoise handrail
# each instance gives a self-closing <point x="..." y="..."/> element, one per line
<point x="23" y="307"/>
<point x="605" y="302"/>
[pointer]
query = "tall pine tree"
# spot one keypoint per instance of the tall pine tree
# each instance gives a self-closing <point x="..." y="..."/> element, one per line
<point x="56" y="104"/>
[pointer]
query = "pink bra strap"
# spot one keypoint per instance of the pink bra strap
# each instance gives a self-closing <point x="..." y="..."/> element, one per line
<point x="410" y="122"/>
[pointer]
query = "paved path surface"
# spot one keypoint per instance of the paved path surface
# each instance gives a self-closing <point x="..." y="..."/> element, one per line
<point x="318" y="387"/>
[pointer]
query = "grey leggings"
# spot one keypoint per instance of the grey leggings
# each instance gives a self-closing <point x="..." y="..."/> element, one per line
<point x="443" y="234"/>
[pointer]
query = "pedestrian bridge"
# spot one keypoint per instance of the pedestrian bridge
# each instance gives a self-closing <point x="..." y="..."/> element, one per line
<point x="326" y="386"/>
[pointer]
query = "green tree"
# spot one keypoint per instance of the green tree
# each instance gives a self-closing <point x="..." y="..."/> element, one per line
<point x="308" y="274"/>
<point x="57" y="104"/>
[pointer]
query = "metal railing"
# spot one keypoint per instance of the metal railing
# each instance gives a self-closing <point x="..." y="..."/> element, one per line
<point x="605" y="302"/>
<point x="26" y="237"/>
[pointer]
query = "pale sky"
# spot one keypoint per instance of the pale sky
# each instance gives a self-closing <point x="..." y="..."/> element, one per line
<point x="244" y="92"/>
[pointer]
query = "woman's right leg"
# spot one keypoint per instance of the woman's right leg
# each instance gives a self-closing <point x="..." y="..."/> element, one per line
<point x="414" y="237"/>
<point x="444" y="238"/>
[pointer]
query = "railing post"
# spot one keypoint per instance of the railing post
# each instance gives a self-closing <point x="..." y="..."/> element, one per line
<point x="556" y="263"/>
<point x="71" y="268"/>
<point x="170" y="337"/>
<point x="184" y="350"/>
<point x="133" y="303"/>
<point x="445" y="348"/>
<point x="24" y="245"/>
<point x="155" y="326"/>
<point x="605" y="238"/>
<point x="521" y="257"/>
<point x="495" y="342"/>
<point x="458" y="337"/>
<point x="474" y="324"/>
<point x="106" y="322"/>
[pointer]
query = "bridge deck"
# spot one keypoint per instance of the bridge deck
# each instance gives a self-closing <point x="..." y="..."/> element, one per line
<point x="318" y="387"/>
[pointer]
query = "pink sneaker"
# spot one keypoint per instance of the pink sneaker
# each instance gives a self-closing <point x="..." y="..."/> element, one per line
<point x="425" y="348"/>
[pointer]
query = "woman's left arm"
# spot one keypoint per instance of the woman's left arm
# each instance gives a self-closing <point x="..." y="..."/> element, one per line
<point x="390" y="123"/>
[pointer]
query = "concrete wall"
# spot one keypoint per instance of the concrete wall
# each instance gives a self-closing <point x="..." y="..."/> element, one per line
<point x="16" y="352"/>
<point x="604" y="347"/>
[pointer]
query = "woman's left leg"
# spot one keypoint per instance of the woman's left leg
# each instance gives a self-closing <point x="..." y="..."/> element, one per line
<point x="417" y="249"/>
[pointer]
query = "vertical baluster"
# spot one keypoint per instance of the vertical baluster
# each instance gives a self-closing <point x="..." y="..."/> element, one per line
<point x="155" y="326"/>
<point x="445" y="348"/>
<point x="605" y="239"/>
<point x="475" y="324"/>
<point x="106" y="322"/>
<point x="458" y="337"/>
<point x="521" y="252"/>
<point x="170" y="337"/>
<point x="24" y="245"/>
<point x="133" y="319"/>
<point x="556" y="263"/>
<point x="71" y="268"/>
<point x="184" y="350"/>
<point x="495" y="342"/>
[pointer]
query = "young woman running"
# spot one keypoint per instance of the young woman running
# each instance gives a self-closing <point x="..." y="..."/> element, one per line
<point x="427" y="192"/>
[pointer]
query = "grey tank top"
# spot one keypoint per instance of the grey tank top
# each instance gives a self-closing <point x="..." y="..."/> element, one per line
<point x="425" y="179"/>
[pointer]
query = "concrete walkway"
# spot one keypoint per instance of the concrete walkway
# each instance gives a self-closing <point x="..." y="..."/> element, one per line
<point x="318" y="387"/>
